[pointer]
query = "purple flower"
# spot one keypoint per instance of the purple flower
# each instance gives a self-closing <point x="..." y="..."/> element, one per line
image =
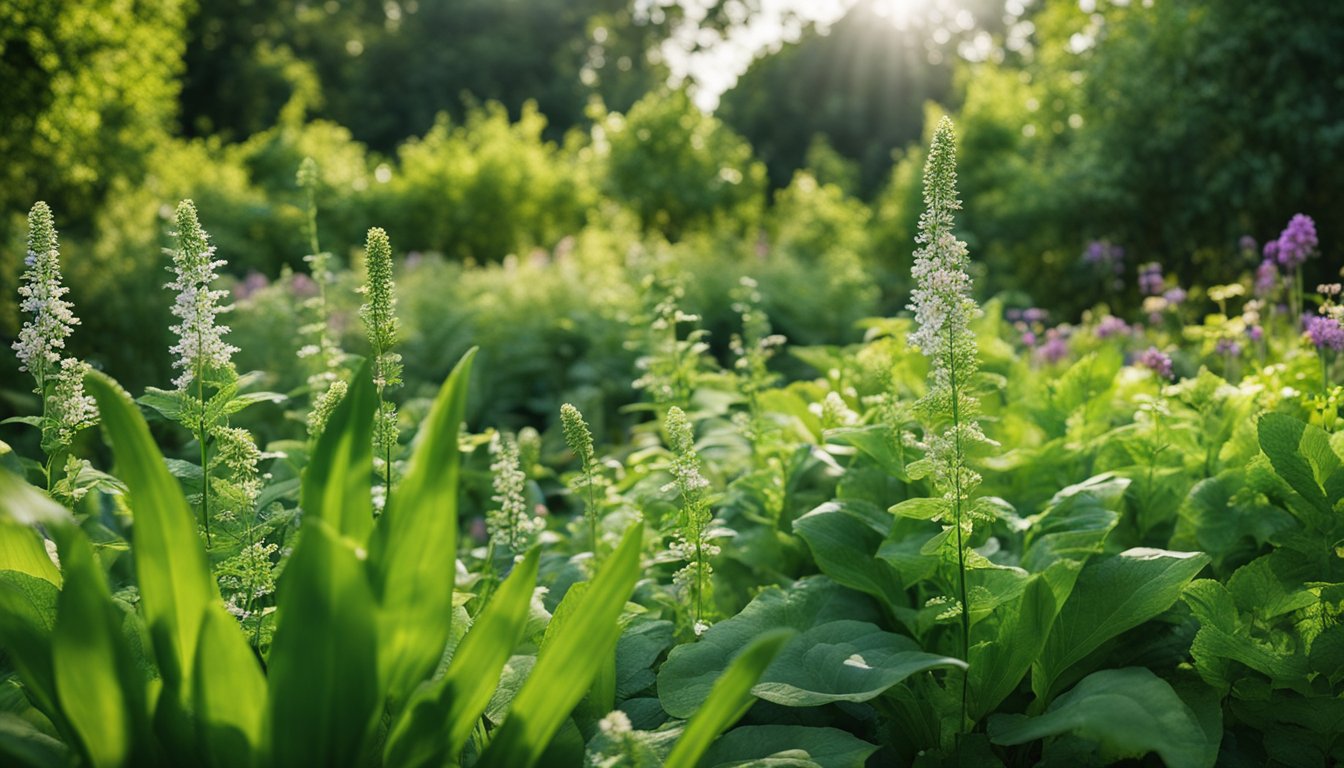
<point x="1105" y="254"/>
<point x="1255" y="333"/>
<point x="1325" y="332"/>
<point x="1297" y="242"/>
<point x="1111" y="325"/>
<point x="1247" y="244"/>
<point x="254" y="282"/>
<point x="1056" y="346"/>
<point x="1154" y="360"/>
<point x="1174" y="296"/>
<point x="1035" y="315"/>
<point x="1150" y="279"/>
<point x="1029" y="338"/>
<point x="1227" y="347"/>
<point x="1266" y="277"/>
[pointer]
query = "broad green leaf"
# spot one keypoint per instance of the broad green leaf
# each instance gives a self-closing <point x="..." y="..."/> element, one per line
<point x="1129" y="712"/>
<point x="337" y="483"/>
<point x="636" y="653"/>
<point x="441" y="715"/>
<point x="101" y="689"/>
<point x="21" y="743"/>
<point x="998" y="665"/>
<point x="728" y="700"/>
<point x="840" y="655"/>
<point x="27" y="617"/>
<point x="568" y="661"/>
<point x="1220" y="518"/>
<point x="167" y="403"/>
<point x="171" y="570"/>
<point x="411" y="562"/>
<point x="1302" y="456"/>
<point x="323" y="665"/>
<point x="844" y="537"/>
<point x="238" y="403"/>
<point x="1224" y="638"/>
<point x="1075" y="523"/>
<point x="758" y="744"/>
<point x="22" y="550"/>
<point x="876" y="441"/>
<point x="1274" y="584"/>
<point x="230" y="693"/>
<point x="1112" y="595"/>
<point x="843" y="661"/>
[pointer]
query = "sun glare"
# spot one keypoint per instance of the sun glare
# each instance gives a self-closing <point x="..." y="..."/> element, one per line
<point x="901" y="12"/>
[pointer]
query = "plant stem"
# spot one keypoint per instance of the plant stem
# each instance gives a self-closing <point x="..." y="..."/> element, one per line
<point x="200" y="438"/>
<point x="961" y="549"/>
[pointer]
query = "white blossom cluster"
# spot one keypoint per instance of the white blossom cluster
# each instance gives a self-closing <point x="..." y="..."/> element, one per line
<point x="510" y="524"/>
<point x="43" y="337"/>
<point x="200" y="350"/>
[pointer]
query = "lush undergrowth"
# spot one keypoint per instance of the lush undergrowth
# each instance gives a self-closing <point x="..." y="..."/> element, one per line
<point x="972" y="537"/>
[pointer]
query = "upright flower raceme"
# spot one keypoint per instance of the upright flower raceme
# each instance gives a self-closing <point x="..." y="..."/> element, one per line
<point x="509" y="523"/>
<point x="59" y="380"/>
<point x="42" y="339"/>
<point x="380" y="322"/>
<point x="200" y="352"/>
<point x="943" y="310"/>
<point x="692" y="543"/>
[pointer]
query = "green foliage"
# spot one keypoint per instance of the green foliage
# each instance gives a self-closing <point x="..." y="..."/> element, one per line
<point x="679" y="169"/>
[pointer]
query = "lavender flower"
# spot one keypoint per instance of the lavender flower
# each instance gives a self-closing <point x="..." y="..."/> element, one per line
<point x="1150" y="279"/>
<point x="1227" y="346"/>
<point x="1266" y="277"/>
<point x="42" y="338"/>
<point x="200" y="351"/>
<point x="1325" y="333"/>
<point x="1248" y="246"/>
<point x="1156" y="361"/>
<point x="1297" y="242"/>
<point x="1111" y="325"/>
<point x="1055" y="347"/>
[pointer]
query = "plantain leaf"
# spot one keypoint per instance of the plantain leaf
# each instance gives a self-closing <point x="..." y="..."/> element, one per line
<point x="441" y="715"/>
<point x="728" y="700"/>
<point x="1112" y="595"/>
<point x="411" y="563"/>
<point x="337" y="483"/>
<point x="324" y="659"/>
<point x="568" y="661"/>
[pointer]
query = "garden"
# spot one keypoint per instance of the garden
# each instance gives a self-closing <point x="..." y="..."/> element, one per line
<point x="961" y="387"/>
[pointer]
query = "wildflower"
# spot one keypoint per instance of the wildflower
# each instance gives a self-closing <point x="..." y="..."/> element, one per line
<point x="510" y="524"/>
<point x="1111" y="325"/>
<point x="1055" y="347"/>
<point x="42" y="338"/>
<point x="1297" y="242"/>
<point x="1156" y="361"/>
<point x="1227" y="346"/>
<point x="1325" y="333"/>
<point x="834" y="412"/>
<point x="577" y="435"/>
<point x="1175" y="296"/>
<point x="200" y="351"/>
<point x="1266" y="277"/>
<point x="1150" y="279"/>
<point x="1248" y="246"/>
<point x="691" y="544"/>
<point x="380" y="322"/>
<point x="69" y="409"/>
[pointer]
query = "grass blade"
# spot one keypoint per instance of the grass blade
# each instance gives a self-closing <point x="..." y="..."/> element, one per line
<point x="568" y="662"/>
<point x="324" y="659"/>
<point x="728" y="700"/>
<point x="439" y="720"/>
<point x="411" y="563"/>
<point x="337" y="483"/>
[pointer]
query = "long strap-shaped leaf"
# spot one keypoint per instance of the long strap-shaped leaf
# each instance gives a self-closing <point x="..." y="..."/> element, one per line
<point x="337" y="483"/>
<point x="170" y="564"/>
<point x="412" y="561"/>
<point x="728" y="700"/>
<point x="101" y="689"/>
<point x="230" y="693"/>
<point x="324" y="689"/>
<point x="441" y="716"/>
<point x="568" y="662"/>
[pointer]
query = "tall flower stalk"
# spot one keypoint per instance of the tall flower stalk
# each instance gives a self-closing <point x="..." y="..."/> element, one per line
<point x="200" y="352"/>
<point x="321" y="349"/>
<point x="380" y="322"/>
<point x="692" y="543"/>
<point x="580" y="440"/>
<point x="943" y="310"/>
<point x="59" y="380"/>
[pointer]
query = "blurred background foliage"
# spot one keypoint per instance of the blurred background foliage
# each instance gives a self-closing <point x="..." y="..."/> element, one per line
<point x="534" y="160"/>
